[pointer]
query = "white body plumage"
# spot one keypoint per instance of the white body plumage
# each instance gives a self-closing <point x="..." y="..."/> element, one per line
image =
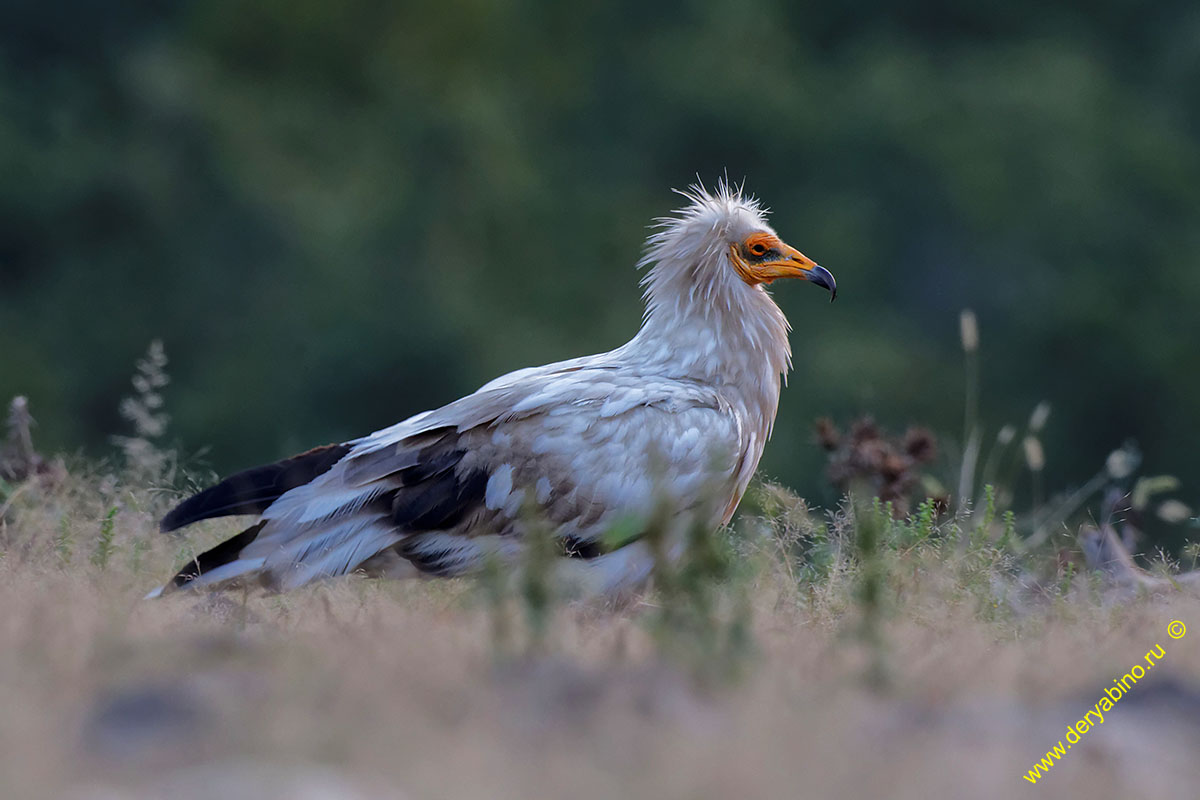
<point x="677" y="418"/>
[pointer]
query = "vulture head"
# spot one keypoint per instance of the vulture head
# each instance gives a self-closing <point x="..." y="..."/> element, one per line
<point x="715" y="250"/>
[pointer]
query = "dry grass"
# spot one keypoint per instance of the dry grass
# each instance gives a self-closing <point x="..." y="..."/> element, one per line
<point x="948" y="676"/>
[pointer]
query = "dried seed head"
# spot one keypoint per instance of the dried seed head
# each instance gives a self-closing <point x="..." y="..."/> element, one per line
<point x="1119" y="464"/>
<point x="1006" y="435"/>
<point x="1035" y="458"/>
<point x="1037" y="420"/>
<point x="864" y="430"/>
<point x="1174" y="512"/>
<point x="968" y="329"/>
<point x="920" y="444"/>
<point x="828" y="435"/>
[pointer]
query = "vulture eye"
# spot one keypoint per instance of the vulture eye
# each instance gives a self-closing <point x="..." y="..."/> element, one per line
<point x="758" y="249"/>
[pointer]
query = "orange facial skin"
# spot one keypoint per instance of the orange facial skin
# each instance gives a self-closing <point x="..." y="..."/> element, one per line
<point x="763" y="258"/>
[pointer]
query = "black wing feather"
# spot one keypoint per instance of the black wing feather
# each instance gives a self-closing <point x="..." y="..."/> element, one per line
<point x="251" y="491"/>
<point x="223" y="553"/>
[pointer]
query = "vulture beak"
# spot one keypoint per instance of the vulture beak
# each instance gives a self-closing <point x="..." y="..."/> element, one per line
<point x="794" y="264"/>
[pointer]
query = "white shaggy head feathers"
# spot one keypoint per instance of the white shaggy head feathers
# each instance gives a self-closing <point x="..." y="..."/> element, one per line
<point x="687" y="255"/>
<point x="692" y="287"/>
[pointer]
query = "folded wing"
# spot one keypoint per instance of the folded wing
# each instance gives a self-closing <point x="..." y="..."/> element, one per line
<point x="576" y="448"/>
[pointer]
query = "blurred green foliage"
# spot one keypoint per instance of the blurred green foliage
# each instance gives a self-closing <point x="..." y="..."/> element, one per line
<point x="338" y="214"/>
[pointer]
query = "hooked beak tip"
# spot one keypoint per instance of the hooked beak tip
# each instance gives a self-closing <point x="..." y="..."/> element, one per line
<point x="824" y="278"/>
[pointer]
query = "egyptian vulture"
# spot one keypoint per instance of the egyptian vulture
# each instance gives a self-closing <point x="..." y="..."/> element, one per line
<point x="675" y="419"/>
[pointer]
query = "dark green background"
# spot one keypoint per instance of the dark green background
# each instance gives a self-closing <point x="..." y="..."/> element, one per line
<point x="339" y="214"/>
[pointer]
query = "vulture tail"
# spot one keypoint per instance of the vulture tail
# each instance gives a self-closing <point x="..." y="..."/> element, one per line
<point x="221" y="563"/>
<point x="251" y="491"/>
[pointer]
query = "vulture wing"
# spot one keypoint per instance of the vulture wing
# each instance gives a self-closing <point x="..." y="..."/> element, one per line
<point x="579" y="446"/>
